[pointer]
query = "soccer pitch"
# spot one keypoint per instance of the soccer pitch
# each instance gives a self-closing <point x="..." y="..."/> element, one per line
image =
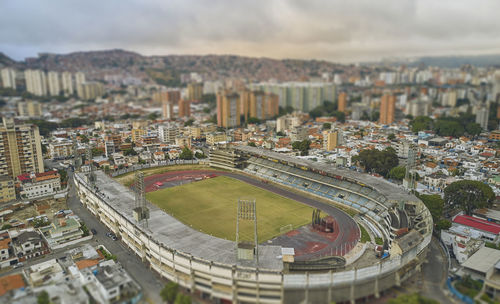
<point x="210" y="206"/>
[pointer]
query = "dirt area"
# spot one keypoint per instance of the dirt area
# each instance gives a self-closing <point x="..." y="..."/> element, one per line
<point x="39" y="207"/>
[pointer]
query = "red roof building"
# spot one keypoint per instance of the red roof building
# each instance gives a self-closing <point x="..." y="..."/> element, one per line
<point x="477" y="223"/>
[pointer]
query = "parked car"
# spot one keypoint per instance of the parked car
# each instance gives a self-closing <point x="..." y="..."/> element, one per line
<point x="18" y="265"/>
<point x="93" y="231"/>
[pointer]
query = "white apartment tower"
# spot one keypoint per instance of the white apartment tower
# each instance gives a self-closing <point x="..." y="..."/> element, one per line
<point x="67" y="83"/>
<point x="36" y="82"/>
<point x="9" y="78"/>
<point x="54" y="87"/>
<point x="79" y="78"/>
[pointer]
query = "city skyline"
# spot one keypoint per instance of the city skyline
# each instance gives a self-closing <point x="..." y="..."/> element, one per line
<point x="333" y="31"/>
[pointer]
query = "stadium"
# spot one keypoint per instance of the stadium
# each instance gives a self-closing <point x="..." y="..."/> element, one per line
<point x="300" y="223"/>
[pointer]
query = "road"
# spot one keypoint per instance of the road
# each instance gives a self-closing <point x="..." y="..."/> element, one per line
<point x="435" y="273"/>
<point x="146" y="278"/>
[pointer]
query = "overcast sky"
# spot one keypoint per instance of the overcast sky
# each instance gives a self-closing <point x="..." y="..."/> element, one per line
<point x="340" y="31"/>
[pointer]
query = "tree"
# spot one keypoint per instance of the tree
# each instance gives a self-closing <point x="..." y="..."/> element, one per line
<point x="280" y="133"/>
<point x="182" y="299"/>
<point x="129" y="151"/>
<point x="200" y="155"/>
<point x="435" y="204"/>
<point x="443" y="224"/>
<point x="186" y="154"/>
<point x="43" y="298"/>
<point x="189" y="122"/>
<point x="253" y="120"/>
<point x="302" y="146"/>
<point x="327" y="126"/>
<point x="6" y="227"/>
<point x="97" y="152"/>
<point x="468" y="195"/>
<point x="413" y="298"/>
<point x="391" y="136"/>
<point x="153" y="116"/>
<point x="376" y="161"/>
<point x="421" y="123"/>
<point x="169" y="292"/>
<point x="397" y="173"/>
<point x="473" y="129"/>
<point x="252" y="144"/>
<point x="63" y="174"/>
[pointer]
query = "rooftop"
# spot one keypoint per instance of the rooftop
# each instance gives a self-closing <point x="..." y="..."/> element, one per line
<point x="477" y="223"/>
<point x="483" y="260"/>
<point x="11" y="282"/>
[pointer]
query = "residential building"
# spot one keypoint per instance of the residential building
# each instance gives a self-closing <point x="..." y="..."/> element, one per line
<point x="54" y="84"/>
<point x="29" y="244"/>
<point x="262" y="105"/>
<point x="90" y="90"/>
<point x="217" y="137"/>
<point x="35" y="185"/>
<point x="342" y="102"/>
<point x="7" y="189"/>
<point x="184" y="108"/>
<point x="167" y="109"/>
<point x="298" y="134"/>
<point x="482" y="116"/>
<point x="29" y="109"/>
<point x="36" y="82"/>
<point x="287" y="122"/>
<point x="228" y="110"/>
<point x="62" y="230"/>
<point x="168" y="133"/>
<point x="194" y="91"/>
<point x="79" y="79"/>
<point x="20" y="149"/>
<point x="183" y="141"/>
<point x="9" y="78"/>
<point x="387" y="109"/>
<point x="332" y="139"/>
<point x="67" y="83"/>
<point x="419" y="107"/>
<point x="60" y="149"/>
<point x="483" y="265"/>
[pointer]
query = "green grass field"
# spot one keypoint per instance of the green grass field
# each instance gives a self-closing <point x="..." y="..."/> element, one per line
<point x="210" y="206"/>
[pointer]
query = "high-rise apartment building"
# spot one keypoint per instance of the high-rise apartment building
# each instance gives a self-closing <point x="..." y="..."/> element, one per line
<point x="79" y="78"/>
<point x="36" y="82"/>
<point x="184" y="108"/>
<point x="342" y="102"/>
<point x="302" y="96"/>
<point x="9" y="78"/>
<point x="287" y="122"/>
<point x="90" y="90"/>
<point x="20" y="149"/>
<point x="194" y="91"/>
<point x="53" y="81"/>
<point x="263" y="105"/>
<point x="387" y="109"/>
<point x="482" y="114"/>
<point x="67" y="83"/>
<point x="167" y="108"/>
<point x="228" y="110"/>
<point x="30" y="108"/>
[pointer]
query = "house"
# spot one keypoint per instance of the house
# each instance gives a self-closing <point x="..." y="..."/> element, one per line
<point x="36" y="185"/>
<point x="159" y="156"/>
<point x="29" y="244"/>
<point x="62" y="230"/>
<point x="10" y="283"/>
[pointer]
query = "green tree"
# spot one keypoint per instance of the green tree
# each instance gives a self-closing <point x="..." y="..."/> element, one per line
<point x="189" y="122"/>
<point x="63" y="174"/>
<point x="421" y="123"/>
<point x="413" y="298"/>
<point x="391" y="136"/>
<point x="435" y="204"/>
<point x="43" y="298"/>
<point x="280" y="133"/>
<point x="153" y="116"/>
<point x="169" y="292"/>
<point x="253" y="120"/>
<point x="327" y="126"/>
<point x="468" y="195"/>
<point x="182" y="299"/>
<point x="473" y="129"/>
<point x="252" y="144"/>
<point x="186" y="154"/>
<point x="97" y="152"/>
<point x="443" y="224"/>
<point x="302" y="146"/>
<point x="376" y="161"/>
<point x="397" y="173"/>
<point x="6" y="227"/>
<point x="200" y="155"/>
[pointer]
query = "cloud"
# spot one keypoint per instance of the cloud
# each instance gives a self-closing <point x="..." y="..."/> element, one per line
<point x="334" y="30"/>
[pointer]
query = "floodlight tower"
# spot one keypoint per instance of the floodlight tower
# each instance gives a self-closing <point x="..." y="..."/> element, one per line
<point x="410" y="176"/>
<point x="77" y="158"/>
<point x="141" y="212"/>
<point x="247" y="211"/>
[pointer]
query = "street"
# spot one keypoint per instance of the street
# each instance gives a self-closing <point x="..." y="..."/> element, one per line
<point x="146" y="278"/>
<point x="434" y="273"/>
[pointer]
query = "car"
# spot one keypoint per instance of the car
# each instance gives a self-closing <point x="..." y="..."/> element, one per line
<point x="109" y="234"/>
<point x="114" y="238"/>
<point x="18" y="265"/>
<point x="93" y="231"/>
